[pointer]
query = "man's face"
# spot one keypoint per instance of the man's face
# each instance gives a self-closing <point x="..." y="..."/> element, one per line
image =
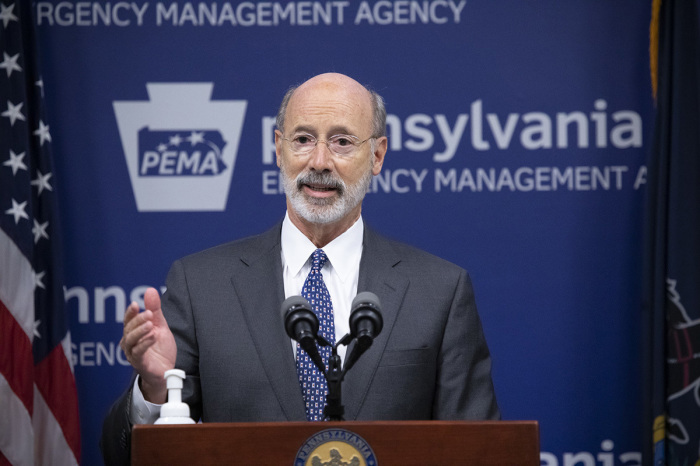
<point x="323" y="187"/>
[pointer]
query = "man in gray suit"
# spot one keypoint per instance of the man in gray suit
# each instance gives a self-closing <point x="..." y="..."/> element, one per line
<point x="219" y="319"/>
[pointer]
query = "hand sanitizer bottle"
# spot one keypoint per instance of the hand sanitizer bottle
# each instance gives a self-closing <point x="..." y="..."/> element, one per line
<point x="174" y="411"/>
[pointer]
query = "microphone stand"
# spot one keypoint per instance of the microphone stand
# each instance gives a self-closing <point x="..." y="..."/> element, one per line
<point x="334" y="409"/>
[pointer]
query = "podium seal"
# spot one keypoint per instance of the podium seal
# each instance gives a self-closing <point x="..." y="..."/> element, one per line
<point x="335" y="447"/>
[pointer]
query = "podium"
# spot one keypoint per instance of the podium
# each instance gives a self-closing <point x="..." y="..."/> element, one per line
<point x="294" y="443"/>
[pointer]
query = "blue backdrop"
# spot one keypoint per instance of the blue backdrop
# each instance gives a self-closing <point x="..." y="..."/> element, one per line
<point x="518" y="136"/>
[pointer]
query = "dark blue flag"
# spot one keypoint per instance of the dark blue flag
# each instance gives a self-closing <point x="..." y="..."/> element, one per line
<point x="673" y="275"/>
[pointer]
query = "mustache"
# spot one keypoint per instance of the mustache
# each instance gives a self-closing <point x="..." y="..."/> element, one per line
<point x="323" y="179"/>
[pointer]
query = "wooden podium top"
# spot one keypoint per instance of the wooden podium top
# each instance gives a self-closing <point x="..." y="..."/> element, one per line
<point x="392" y="442"/>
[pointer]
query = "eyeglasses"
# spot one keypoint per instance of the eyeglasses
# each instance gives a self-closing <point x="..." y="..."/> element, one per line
<point x="340" y="144"/>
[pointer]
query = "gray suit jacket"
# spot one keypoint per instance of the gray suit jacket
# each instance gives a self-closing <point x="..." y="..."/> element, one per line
<point x="429" y="362"/>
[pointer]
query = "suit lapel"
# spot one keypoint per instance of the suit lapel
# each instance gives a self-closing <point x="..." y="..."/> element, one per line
<point x="260" y="289"/>
<point x="377" y="274"/>
<point x="260" y="294"/>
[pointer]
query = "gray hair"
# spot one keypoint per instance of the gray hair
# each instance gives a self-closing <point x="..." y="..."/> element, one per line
<point x="378" y="112"/>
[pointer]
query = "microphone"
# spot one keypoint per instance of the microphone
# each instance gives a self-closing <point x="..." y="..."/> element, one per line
<point x="301" y="324"/>
<point x="365" y="319"/>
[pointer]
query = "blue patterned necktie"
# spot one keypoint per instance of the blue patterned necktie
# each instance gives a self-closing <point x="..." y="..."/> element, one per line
<point x="313" y="383"/>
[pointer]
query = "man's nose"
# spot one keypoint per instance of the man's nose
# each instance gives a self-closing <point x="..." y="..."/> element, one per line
<point x="321" y="156"/>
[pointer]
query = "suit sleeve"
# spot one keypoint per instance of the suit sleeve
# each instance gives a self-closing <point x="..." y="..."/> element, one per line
<point x="115" y="442"/>
<point x="464" y="388"/>
<point x="177" y="309"/>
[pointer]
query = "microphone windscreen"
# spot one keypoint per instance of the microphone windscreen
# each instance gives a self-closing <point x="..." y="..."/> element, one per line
<point x="299" y="319"/>
<point x="366" y="298"/>
<point x="366" y="316"/>
<point x="294" y="302"/>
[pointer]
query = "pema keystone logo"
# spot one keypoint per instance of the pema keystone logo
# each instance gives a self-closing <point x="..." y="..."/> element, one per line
<point x="180" y="146"/>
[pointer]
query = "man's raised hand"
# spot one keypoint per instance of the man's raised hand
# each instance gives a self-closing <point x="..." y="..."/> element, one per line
<point x="149" y="345"/>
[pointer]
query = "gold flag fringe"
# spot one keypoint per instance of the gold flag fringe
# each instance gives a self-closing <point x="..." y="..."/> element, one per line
<point x="654" y="45"/>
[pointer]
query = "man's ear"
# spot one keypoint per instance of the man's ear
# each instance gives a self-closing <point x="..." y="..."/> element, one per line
<point x="278" y="145"/>
<point x="380" y="148"/>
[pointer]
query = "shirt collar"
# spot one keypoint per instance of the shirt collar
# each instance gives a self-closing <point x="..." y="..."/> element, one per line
<point x="343" y="252"/>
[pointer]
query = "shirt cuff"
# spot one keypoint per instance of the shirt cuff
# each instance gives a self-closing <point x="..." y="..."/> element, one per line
<point x="142" y="411"/>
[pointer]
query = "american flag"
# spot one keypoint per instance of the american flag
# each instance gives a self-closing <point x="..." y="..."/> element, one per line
<point x="38" y="400"/>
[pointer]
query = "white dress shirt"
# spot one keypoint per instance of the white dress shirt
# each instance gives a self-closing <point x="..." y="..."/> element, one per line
<point x="340" y="273"/>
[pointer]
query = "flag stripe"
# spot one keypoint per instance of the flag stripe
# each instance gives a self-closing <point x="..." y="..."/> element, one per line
<point x="17" y="439"/>
<point x="17" y="285"/>
<point x="68" y="353"/>
<point x="55" y="383"/>
<point x="3" y="460"/>
<point x="52" y="449"/>
<point x="16" y="361"/>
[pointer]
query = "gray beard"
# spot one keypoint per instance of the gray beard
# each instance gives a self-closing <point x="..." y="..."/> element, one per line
<point x="325" y="210"/>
